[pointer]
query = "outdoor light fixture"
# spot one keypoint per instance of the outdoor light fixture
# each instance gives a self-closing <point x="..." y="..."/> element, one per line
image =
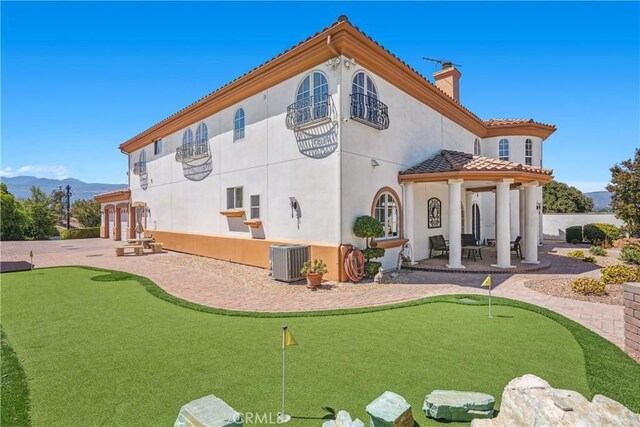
<point x="374" y="163"/>
<point x="538" y="206"/>
<point x="294" y="205"/>
<point x="349" y="62"/>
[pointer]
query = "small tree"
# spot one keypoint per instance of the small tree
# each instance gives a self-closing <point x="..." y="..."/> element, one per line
<point x="367" y="227"/>
<point x="87" y="212"/>
<point x="13" y="217"/>
<point x="558" y="197"/>
<point x="42" y="221"/>
<point x="625" y="189"/>
<point x="58" y="206"/>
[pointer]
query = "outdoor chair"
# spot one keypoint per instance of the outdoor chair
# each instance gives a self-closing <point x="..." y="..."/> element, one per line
<point x="470" y="244"/>
<point x="515" y="247"/>
<point x="437" y="243"/>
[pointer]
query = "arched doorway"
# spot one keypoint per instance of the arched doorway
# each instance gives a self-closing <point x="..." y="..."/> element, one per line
<point x="475" y="221"/>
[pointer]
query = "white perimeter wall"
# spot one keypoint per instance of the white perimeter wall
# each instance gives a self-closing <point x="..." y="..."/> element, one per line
<point x="554" y="225"/>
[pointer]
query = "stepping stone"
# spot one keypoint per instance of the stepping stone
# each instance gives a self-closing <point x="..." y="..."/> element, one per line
<point x="454" y="405"/>
<point x="390" y="410"/>
<point x="343" y="419"/>
<point x="208" y="411"/>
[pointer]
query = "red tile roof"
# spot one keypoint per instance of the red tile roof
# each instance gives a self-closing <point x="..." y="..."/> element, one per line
<point x="500" y="122"/>
<point x="455" y="161"/>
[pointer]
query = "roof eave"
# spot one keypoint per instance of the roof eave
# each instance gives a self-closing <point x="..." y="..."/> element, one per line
<point x="517" y="176"/>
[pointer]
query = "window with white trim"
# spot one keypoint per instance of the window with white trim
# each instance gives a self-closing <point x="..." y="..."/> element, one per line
<point x="503" y="149"/>
<point x="157" y="147"/>
<point x="187" y="137"/>
<point x="255" y="206"/>
<point x="202" y="133"/>
<point x="234" y="198"/>
<point x="238" y="125"/>
<point x="528" y="152"/>
<point x="476" y="147"/>
<point x="312" y="98"/>
<point x="387" y="212"/>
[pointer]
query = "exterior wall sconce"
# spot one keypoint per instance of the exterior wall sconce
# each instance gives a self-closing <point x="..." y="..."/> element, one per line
<point x="374" y="163"/>
<point x="294" y="205"/>
<point x="538" y="206"/>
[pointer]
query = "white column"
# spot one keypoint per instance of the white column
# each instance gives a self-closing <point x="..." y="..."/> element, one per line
<point x="521" y="218"/>
<point x="409" y="217"/>
<point x="532" y="222"/>
<point x="468" y="203"/>
<point x="540" y="216"/>
<point x="455" y="224"/>
<point x="503" y="224"/>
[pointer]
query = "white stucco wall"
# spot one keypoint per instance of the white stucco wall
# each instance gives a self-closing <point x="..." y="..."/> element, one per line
<point x="554" y="225"/>
<point x="265" y="162"/>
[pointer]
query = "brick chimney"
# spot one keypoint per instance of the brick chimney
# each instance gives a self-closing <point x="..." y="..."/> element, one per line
<point x="448" y="80"/>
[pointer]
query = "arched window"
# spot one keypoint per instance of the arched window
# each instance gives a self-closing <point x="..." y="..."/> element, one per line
<point x="528" y="152"/>
<point x="238" y="125"/>
<point x="503" y="149"/>
<point x="387" y="211"/>
<point x="476" y="147"/>
<point x="187" y="137"/>
<point x="202" y="133"/>
<point x="312" y="98"/>
<point x="364" y="98"/>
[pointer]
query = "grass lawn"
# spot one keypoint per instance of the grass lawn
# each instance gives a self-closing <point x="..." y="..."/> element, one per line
<point x="111" y="352"/>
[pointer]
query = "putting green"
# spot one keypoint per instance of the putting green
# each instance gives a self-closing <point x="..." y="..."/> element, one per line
<point x="110" y="353"/>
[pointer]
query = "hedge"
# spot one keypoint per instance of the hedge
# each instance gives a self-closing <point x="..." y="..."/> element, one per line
<point x="574" y="234"/>
<point x="80" y="233"/>
<point x="599" y="233"/>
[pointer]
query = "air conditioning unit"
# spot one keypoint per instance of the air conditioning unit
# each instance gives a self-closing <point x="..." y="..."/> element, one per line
<point x="287" y="260"/>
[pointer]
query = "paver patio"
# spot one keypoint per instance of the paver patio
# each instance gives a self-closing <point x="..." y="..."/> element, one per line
<point x="208" y="288"/>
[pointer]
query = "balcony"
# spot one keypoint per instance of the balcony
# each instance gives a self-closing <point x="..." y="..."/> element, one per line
<point x="370" y="111"/>
<point x="139" y="168"/>
<point x="310" y="111"/>
<point x="192" y="151"/>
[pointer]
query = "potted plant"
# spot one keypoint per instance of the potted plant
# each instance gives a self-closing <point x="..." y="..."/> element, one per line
<point x="314" y="272"/>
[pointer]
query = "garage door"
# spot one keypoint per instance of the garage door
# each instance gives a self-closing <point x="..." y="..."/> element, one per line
<point x="111" y="216"/>
<point x="124" y="215"/>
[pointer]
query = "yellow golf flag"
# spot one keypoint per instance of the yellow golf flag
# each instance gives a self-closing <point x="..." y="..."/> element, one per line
<point x="288" y="339"/>
<point x="487" y="282"/>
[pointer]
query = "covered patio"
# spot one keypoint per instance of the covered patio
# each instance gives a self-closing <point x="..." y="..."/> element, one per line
<point x="466" y="177"/>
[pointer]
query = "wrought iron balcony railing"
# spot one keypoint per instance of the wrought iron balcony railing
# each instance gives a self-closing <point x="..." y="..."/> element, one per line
<point x="369" y="110"/>
<point x="192" y="151"/>
<point x="310" y="111"/>
<point x="139" y="168"/>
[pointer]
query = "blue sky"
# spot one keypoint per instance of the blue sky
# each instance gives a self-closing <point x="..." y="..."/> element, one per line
<point x="80" y="78"/>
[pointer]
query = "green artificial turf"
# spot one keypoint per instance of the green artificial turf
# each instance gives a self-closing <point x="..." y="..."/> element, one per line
<point x="98" y="348"/>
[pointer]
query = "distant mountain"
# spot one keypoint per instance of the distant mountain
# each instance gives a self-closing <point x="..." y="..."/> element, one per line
<point x="20" y="186"/>
<point x="601" y="200"/>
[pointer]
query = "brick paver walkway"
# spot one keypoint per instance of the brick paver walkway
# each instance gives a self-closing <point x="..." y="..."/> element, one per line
<point x="207" y="288"/>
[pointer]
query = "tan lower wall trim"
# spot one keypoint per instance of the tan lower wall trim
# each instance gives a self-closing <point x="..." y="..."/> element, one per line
<point x="244" y="251"/>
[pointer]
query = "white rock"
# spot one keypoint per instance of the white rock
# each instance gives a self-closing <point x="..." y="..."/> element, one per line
<point x="531" y="401"/>
<point x="343" y="419"/>
<point x="208" y="411"/>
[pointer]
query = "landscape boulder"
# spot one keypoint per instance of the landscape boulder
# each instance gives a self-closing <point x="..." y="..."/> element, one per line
<point x="343" y="419"/>
<point x="390" y="410"/>
<point x="531" y="401"/>
<point x="455" y="405"/>
<point x="208" y="411"/>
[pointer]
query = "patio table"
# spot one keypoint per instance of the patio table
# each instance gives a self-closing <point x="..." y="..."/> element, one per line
<point x="472" y="251"/>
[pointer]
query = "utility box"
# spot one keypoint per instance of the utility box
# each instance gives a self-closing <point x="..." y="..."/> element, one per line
<point x="287" y="261"/>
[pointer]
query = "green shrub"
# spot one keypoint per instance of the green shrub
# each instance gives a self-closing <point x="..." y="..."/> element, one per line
<point x="573" y="234"/>
<point x="618" y="274"/>
<point x="316" y="267"/>
<point x="80" y="233"/>
<point x="589" y="286"/>
<point x="598" y="250"/>
<point x="601" y="233"/>
<point x="371" y="268"/>
<point x="631" y="253"/>
<point x="576" y="254"/>
<point x="371" y="253"/>
<point x="590" y="259"/>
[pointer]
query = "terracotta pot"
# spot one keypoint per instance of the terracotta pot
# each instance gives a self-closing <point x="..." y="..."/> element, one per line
<point x="314" y="280"/>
